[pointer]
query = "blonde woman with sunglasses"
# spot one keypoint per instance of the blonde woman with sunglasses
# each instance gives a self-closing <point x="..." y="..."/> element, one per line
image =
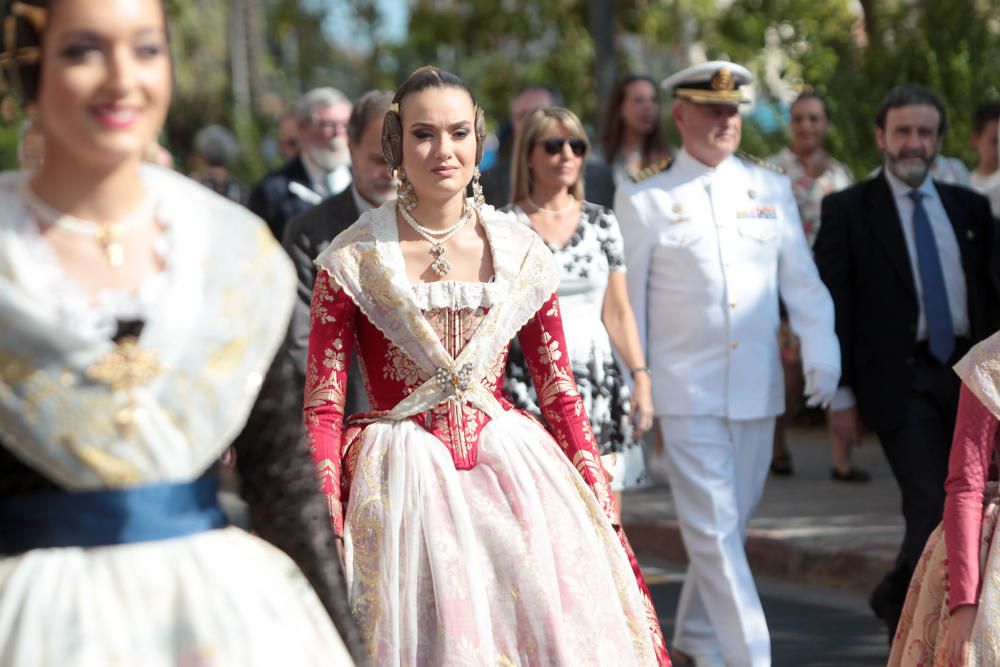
<point x="547" y="186"/>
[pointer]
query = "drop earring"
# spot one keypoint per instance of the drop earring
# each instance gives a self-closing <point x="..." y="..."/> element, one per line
<point x="477" y="190"/>
<point x="405" y="195"/>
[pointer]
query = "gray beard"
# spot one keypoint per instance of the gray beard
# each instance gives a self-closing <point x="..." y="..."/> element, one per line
<point x="912" y="175"/>
<point x="329" y="159"/>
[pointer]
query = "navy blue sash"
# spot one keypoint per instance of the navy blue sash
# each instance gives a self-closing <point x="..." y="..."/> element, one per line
<point x="106" y="517"/>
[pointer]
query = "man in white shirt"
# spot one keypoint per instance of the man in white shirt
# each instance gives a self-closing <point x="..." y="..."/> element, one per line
<point x="711" y="241"/>
<point x="907" y="260"/>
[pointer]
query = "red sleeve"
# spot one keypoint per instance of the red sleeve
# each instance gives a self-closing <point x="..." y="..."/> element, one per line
<point x="331" y="338"/>
<point x="544" y="346"/>
<point x="968" y="469"/>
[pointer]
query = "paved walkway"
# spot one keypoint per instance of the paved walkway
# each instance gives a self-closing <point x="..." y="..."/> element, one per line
<point x="807" y="529"/>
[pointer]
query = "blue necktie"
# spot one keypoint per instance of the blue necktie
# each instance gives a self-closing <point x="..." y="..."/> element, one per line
<point x="940" y="332"/>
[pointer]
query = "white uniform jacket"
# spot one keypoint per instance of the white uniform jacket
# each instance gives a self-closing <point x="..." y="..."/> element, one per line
<point x="708" y="252"/>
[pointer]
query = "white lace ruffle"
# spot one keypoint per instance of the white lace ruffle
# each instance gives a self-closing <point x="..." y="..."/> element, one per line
<point x="97" y="318"/>
<point x="455" y="295"/>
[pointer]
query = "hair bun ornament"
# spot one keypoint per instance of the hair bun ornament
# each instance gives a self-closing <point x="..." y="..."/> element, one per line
<point x="14" y="55"/>
<point x="392" y="137"/>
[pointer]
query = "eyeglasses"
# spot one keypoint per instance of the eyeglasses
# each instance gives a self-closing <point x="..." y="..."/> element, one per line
<point x="554" y="146"/>
<point x="335" y="125"/>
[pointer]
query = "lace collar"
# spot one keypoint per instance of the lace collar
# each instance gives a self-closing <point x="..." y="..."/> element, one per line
<point x="980" y="371"/>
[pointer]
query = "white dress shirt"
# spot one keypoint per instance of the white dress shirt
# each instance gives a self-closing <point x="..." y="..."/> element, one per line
<point x="990" y="186"/>
<point x="326" y="183"/>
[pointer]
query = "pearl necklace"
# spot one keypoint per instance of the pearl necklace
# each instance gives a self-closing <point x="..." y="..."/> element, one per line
<point x="109" y="236"/>
<point x="547" y="211"/>
<point x="437" y="237"/>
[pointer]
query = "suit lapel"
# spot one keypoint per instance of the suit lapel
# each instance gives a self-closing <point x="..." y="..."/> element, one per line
<point x="965" y="235"/>
<point x="883" y="216"/>
<point x="350" y="210"/>
<point x="297" y="172"/>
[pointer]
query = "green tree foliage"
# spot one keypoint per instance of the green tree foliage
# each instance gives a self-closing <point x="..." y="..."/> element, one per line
<point x="499" y="47"/>
<point x="850" y="52"/>
<point x="853" y="59"/>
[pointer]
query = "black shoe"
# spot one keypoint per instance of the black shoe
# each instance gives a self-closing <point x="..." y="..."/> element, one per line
<point x="885" y="609"/>
<point x="781" y="465"/>
<point x="855" y="475"/>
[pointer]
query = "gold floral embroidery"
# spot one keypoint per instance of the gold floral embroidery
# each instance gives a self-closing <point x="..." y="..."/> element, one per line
<point x="549" y="351"/>
<point x="400" y="367"/>
<point x="125" y="367"/>
<point x="333" y="357"/>
<point x="322" y="295"/>
<point x="494" y="374"/>
<point x="326" y="387"/>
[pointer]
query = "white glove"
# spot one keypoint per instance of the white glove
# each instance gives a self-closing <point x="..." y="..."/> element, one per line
<point x="821" y="387"/>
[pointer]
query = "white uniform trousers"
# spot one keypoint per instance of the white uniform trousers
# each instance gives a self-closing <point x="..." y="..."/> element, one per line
<point x="717" y="468"/>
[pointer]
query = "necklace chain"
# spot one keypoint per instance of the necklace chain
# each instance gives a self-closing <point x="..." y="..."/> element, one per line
<point x="436" y="237"/>
<point x="109" y="236"/>
<point x="548" y="211"/>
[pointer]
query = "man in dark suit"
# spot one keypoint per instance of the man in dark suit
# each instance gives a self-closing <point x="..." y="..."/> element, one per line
<point x="598" y="181"/>
<point x="907" y="261"/>
<point x="321" y="169"/>
<point x="309" y="233"/>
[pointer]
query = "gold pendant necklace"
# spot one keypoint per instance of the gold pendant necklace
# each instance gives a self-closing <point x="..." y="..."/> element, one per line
<point x="437" y="238"/>
<point x="109" y="236"/>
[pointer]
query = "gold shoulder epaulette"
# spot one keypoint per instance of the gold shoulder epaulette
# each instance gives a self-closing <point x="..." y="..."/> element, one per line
<point x="762" y="162"/>
<point x="653" y="169"/>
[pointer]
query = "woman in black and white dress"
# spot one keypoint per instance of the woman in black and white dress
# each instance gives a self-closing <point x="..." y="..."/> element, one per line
<point x="547" y="187"/>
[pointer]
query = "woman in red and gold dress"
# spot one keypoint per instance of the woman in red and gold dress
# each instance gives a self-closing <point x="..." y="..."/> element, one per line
<point x="952" y="610"/>
<point x="472" y="534"/>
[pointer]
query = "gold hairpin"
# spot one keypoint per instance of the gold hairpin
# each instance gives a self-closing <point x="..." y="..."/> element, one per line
<point x="33" y="14"/>
<point x="13" y="57"/>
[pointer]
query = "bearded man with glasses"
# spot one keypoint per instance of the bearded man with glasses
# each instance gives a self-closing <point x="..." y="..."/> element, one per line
<point x="321" y="169"/>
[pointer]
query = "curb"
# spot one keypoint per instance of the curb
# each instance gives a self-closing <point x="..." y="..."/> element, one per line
<point x="769" y="557"/>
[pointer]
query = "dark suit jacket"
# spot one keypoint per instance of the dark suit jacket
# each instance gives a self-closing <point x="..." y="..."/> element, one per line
<point x="306" y="236"/>
<point x="598" y="184"/>
<point x="272" y="200"/>
<point x="862" y="257"/>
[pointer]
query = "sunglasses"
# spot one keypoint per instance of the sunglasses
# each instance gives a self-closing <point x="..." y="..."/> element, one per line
<point x="554" y="146"/>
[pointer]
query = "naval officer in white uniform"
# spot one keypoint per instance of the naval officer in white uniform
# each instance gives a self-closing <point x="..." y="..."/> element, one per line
<point x="711" y="242"/>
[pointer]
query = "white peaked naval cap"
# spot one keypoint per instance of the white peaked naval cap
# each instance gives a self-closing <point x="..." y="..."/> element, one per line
<point x="715" y="82"/>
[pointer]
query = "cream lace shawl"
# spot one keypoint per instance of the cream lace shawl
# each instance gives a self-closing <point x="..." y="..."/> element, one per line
<point x="367" y="263"/>
<point x="980" y="371"/>
<point x="94" y="414"/>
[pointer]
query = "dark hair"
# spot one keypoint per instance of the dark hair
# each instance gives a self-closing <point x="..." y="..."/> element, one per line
<point x="811" y="95"/>
<point x="654" y="146"/>
<point x="371" y="105"/>
<point x="985" y="113"/>
<point x="430" y="77"/>
<point x="906" y="95"/>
